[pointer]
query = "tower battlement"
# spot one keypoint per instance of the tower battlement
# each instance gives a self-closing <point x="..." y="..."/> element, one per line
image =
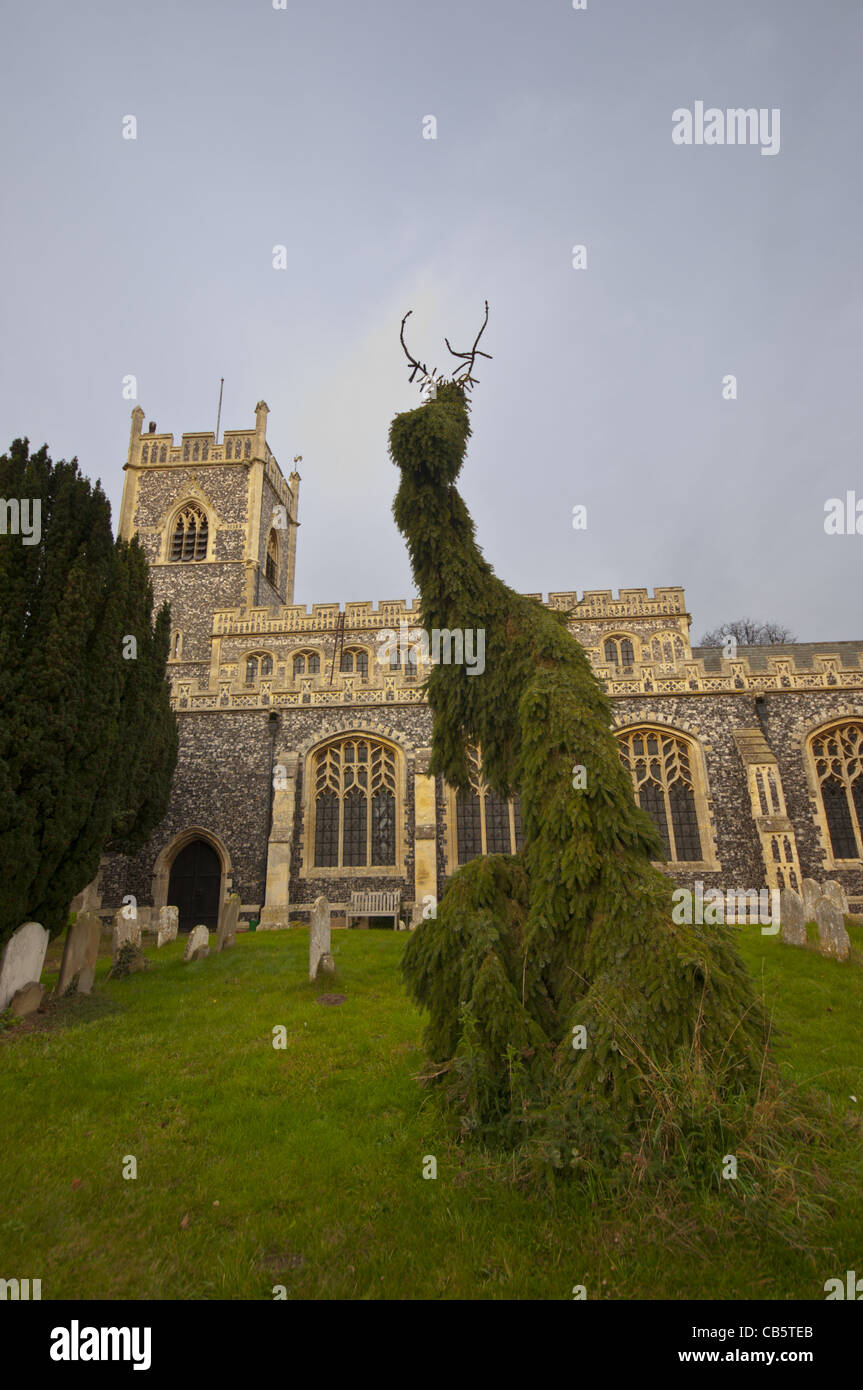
<point x="217" y="520"/>
<point x="156" y="449"/>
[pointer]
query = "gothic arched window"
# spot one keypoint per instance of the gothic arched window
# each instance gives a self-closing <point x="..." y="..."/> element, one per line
<point x="258" y="663"/>
<point x="838" y="754"/>
<point x="410" y="664"/>
<point x="660" y="767"/>
<point x="355" y="661"/>
<point x="485" y="823"/>
<point x="306" y="664"/>
<point x="619" y="652"/>
<point x="272" y="562"/>
<point x="354" y="804"/>
<point x="190" y="535"/>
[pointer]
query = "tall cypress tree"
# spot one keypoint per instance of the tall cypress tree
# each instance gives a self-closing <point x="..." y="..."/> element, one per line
<point x="87" y="737"/>
<point x="571" y="941"/>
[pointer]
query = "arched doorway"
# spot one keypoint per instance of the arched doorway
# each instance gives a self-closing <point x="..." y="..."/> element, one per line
<point x="194" y="885"/>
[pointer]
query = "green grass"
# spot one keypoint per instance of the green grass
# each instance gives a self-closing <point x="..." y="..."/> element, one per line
<point x="303" y="1166"/>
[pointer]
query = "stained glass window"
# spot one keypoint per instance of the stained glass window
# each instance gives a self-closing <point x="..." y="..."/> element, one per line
<point x="357" y="777"/>
<point x="660" y="768"/>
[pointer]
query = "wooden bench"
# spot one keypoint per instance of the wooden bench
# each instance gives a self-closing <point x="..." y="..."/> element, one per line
<point x="374" y="905"/>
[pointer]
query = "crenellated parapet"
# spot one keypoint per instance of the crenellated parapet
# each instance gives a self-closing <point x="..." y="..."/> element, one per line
<point x="637" y="643"/>
<point x="321" y="617"/>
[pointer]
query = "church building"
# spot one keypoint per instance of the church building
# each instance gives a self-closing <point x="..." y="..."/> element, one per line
<point x="303" y="763"/>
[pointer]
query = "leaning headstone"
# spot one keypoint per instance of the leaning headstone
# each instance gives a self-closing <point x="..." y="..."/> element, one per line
<point x="833" y="939"/>
<point x="836" y="893"/>
<point x="229" y="916"/>
<point x="22" y="960"/>
<point x="80" y="954"/>
<point x="169" y="921"/>
<point x="126" y="929"/>
<point x="811" y="894"/>
<point x="792" y="917"/>
<point x="320" y="958"/>
<point x="198" y="945"/>
<point x="27" y="999"/>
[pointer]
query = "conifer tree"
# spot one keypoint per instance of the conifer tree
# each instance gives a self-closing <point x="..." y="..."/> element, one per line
<point x="87" y="737"/>
<point x="555" y="980"/>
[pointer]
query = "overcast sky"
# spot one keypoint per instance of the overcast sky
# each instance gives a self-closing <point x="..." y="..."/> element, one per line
<point x="303" y="127"/>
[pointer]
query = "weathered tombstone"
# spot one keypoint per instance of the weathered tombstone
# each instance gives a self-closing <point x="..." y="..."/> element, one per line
<point x="811" y="894"/>
<point x="169" y="921"/>
<point x="836" y="893"/>
<point x="27" y="999"/>
<point x="792" y="917"/>
<point x="80" y="954"/>
<point x="198" y="945"/>
<point x="22" y="960"/>
<point x="89" y="899"/>
<point x="229" y="916"/>
<point x="145" y="919"/>
<point x="833" y="939"/>
<point x="126" y="929"/>
<point x="320" y="959"/>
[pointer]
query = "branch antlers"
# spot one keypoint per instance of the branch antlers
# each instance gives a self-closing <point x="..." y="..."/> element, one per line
<point x="465" y="377"/>
<point x="469" y="358"/>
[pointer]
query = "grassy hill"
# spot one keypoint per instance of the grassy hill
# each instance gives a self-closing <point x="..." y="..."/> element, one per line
<point x="303" y="1166"/>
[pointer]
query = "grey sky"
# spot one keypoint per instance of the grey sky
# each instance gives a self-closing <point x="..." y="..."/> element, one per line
<point x="304" y="127"/>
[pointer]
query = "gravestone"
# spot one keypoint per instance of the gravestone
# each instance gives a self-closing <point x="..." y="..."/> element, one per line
<point x="79" y="954"/>
<point x="27" y="999"/>
<point x="836" y="893"/>
<point x="229" y="916"/>
<point x="320" y="959"/>
<point x="169" y="920"/>
<point x="22" y="960"/>
<point x="792" y="918"/>
<point x="89" y="899"/>
<point x="811" y="894"/>
<point x="145" y="919"/>
<point x="126" y="929"/>
<point x="833" y="939"/>
<point x="198" y="945"/>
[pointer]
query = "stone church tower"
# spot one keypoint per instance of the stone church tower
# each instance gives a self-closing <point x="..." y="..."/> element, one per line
<point x="223" y="508"/>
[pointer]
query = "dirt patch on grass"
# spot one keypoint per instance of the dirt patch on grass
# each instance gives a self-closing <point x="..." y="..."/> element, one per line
<point x="277" y="1261"/>
<point x="53" y="1014"/>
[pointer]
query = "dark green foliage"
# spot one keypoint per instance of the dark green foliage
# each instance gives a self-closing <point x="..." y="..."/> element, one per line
<point x="151" y="753"/>
<point x="87" y="738"/>
<point x="576" y="930"/>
